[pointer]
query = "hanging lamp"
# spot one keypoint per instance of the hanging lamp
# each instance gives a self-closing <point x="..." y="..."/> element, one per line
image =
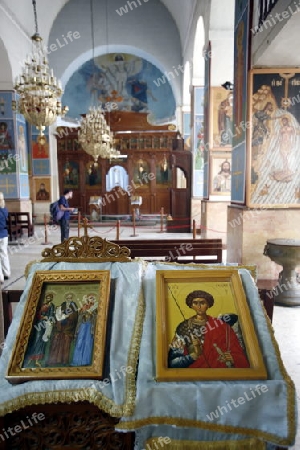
<point x="94" y="134"/>
<point x="38" y="89"/>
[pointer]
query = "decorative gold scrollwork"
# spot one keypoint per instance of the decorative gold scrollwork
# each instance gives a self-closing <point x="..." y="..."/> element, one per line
<point x="85" y="248"/>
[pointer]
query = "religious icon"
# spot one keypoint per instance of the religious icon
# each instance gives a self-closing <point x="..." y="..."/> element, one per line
<point x="6" y="142"/>
<point x="71" y="174"/>
<point x="40" y="147"/>
<point x="194" y="343"/>
<point x="221" y="174"/>
<point x="63" y="331"/>
<point x="42" y="189"/>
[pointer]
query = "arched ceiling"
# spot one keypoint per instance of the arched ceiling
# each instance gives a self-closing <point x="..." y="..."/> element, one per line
<point x="21" y="14"/>
<point x="159" y="30"/>
<point x="183" y="16"/>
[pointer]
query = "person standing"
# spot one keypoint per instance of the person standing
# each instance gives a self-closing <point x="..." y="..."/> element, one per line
<point x="5" y="265"/>
<point x="65" y="220"/>
<point x="85" y="331"/>
<point x="41" y="332"/>
<point x="62" y="335"/>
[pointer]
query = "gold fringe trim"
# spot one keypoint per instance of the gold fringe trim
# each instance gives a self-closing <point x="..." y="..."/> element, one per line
<point x="179" y="422"/>
<point x="91" y="394"/>
<point x="126" y="409"/>
<point x="172" y="444"/>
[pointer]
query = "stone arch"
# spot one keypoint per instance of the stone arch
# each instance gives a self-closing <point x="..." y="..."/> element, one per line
<point x="198" y="54"/>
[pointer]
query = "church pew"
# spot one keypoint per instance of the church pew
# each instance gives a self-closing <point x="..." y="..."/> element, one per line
<point x="205" y="251"/>
<point x="23" y="219"/>
<point x="14" y="229"/>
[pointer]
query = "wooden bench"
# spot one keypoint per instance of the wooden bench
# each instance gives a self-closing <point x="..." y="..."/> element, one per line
<point x="205" y="251"/>
<point x="23" y="219"/>
<point x="14" y="229"/>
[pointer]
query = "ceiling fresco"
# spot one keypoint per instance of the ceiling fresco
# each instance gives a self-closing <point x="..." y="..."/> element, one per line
<point x="121" y="81"/>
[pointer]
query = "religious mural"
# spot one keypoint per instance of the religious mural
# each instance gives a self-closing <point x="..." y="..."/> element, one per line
<point x="241" y="66"/>
<point x="275" y="138"/>
<point x="163" y="173"/>
<point x="7" y="147"/>
<point x="120" y="81"/>
<point x="205" y="124"/>
<point x="22" y="146"/>
<point x="220" y="176"/>
<point x="42" y="189"/>
<point x="92" y="174"/>
<point x="199" y="140"/>
<point x="221" y="123"/>
<point x="71" y="175"/>
<point x="40" y="157"/>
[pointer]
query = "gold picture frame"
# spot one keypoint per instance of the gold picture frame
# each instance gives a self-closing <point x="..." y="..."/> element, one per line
<point x="62" y="333"/>
<point x="188" y="349"/>
<point x="42" y="189"/>
<point x="220" y="173"/>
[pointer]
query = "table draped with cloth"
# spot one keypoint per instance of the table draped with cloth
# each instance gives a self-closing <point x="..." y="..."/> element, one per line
<point x="179" y="411"/>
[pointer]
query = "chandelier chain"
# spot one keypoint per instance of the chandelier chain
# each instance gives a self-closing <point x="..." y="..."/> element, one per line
<point x="35" y="17"/>
<point x="94" y="135"/>
<point x="92" y="30"/>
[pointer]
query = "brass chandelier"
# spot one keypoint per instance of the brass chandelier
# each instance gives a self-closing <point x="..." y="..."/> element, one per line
<point x="94" y="134"/>
<point x="38" y="89"/>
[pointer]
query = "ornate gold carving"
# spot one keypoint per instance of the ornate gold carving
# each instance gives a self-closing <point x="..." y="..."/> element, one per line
<point x="88" y="249"/>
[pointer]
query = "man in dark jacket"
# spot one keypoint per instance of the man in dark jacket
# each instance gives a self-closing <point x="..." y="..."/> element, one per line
<point x="65" y="207"/>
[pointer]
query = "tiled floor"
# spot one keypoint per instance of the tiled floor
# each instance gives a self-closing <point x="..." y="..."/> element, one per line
<point x="286" y="320"/>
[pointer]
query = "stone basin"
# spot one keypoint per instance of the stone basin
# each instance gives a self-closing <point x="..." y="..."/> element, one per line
<point x="286" y="253"/>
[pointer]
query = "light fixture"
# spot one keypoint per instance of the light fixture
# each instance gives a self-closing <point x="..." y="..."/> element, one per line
<point x="228" y="86"/>
<point x="94" y="134"/>
<point x="38" y="89"/>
